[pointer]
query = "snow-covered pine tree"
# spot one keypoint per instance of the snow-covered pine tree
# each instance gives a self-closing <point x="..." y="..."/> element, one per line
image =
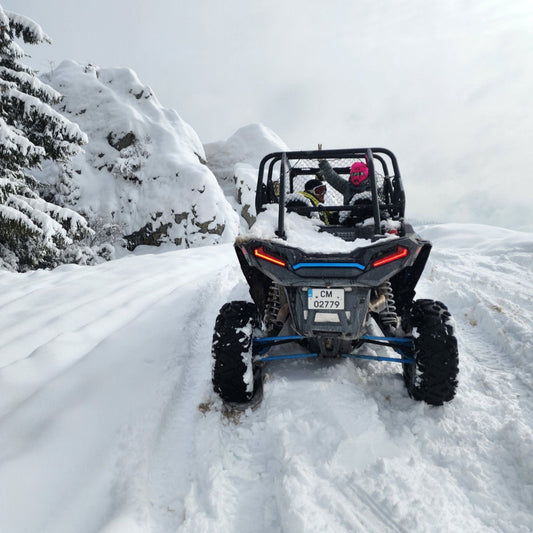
<point x="34" y="233"/>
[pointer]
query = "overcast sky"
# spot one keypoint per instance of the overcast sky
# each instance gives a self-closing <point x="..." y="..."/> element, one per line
<point x="445" y="84"/>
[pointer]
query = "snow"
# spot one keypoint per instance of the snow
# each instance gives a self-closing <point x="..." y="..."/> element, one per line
<point x="12" y="141"/>
<point x="235" y="162"/>
<point x="31" y="83"/>
<point x="143" y="169"/>
<point x="35" y="105"/>
<point x="247" y="145"/>
<point x="9" y="213"/>
<point x="108" y="421"/>
<point x="35" y="33"/>
<point x="301" y="232"/>
<point x="46" y="225"/>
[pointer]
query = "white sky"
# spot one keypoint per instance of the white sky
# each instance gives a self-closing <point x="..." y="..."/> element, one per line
<point x="446" y="85"/>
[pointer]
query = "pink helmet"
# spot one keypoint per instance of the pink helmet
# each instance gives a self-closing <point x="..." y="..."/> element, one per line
<point x="358" y="173"/>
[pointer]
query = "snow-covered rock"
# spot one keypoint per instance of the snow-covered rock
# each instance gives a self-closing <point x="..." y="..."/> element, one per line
<point x="235" y="163"/>
<point x="143" y="171"/>
<point x="248" y="144"/>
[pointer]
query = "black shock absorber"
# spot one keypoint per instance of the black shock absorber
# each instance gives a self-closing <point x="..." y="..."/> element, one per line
<point x="273" y="305"/>
<point x="388" y="315"/>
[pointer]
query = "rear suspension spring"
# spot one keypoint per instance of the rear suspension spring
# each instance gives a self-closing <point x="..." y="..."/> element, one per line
<point x="273" y="306"/>
<point x="388" y="316"/>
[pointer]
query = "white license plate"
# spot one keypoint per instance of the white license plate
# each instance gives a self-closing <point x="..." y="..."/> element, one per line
<point x="325" y="299"/>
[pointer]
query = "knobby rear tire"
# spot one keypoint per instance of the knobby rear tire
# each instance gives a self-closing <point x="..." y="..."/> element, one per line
<point x="232" y="376"/>
<point x="433" y="377"/>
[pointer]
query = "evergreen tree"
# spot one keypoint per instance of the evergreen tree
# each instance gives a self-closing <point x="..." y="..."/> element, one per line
<point x="34" y="233"/>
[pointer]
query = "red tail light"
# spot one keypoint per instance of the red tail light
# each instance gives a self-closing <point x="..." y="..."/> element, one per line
<point x="260" y="252"/>
<point x="398" y="254"/>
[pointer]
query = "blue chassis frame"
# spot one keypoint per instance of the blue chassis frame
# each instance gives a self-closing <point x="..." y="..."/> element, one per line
<point x="261" y="346"/>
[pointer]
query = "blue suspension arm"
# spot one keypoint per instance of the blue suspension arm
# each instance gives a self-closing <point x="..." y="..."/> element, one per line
<point x="262" y="345"/>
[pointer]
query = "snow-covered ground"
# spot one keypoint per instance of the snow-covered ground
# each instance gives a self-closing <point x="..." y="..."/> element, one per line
<point x="108" y="422"/>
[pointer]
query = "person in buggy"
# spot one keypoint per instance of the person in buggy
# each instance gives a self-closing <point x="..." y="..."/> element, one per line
<point x="313" y="195"/>
<point x="355" y="190"/>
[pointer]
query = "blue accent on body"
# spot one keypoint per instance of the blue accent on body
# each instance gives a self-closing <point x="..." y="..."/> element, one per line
<point x="328" y="265"/>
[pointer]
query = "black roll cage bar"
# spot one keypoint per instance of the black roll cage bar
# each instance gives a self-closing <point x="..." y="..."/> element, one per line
<point x="265" y="192"/>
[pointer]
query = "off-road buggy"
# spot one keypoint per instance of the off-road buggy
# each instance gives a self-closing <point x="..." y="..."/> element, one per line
<point x="330" y="305"/>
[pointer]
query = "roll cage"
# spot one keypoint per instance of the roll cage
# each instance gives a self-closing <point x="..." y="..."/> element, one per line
<point x="283" y="173"/>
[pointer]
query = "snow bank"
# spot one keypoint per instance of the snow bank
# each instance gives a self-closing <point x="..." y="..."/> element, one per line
<point x="235" y="163"/>
<point x="488" y="279"/>
<point x="144" y="168"/>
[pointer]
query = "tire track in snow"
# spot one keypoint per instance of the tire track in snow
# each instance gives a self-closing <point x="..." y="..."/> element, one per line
<point x="175" y="451"/>
<point x="487" y="424"/>
<point x="277" y="468"/>
<point x="495" y="317"/>
<point x="231" y="470"/>
<point x="328" y="434"/>
<point x="63" y="332"/>
<point x="122" y="374"/>
<point x="233" y="484"/>
<point x="493" y="291"/>
<point x="91" y="300"/>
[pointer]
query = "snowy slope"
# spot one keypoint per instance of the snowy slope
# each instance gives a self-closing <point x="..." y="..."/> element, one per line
<point x="143" y="170"/>
<point x="108" y="422"/>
